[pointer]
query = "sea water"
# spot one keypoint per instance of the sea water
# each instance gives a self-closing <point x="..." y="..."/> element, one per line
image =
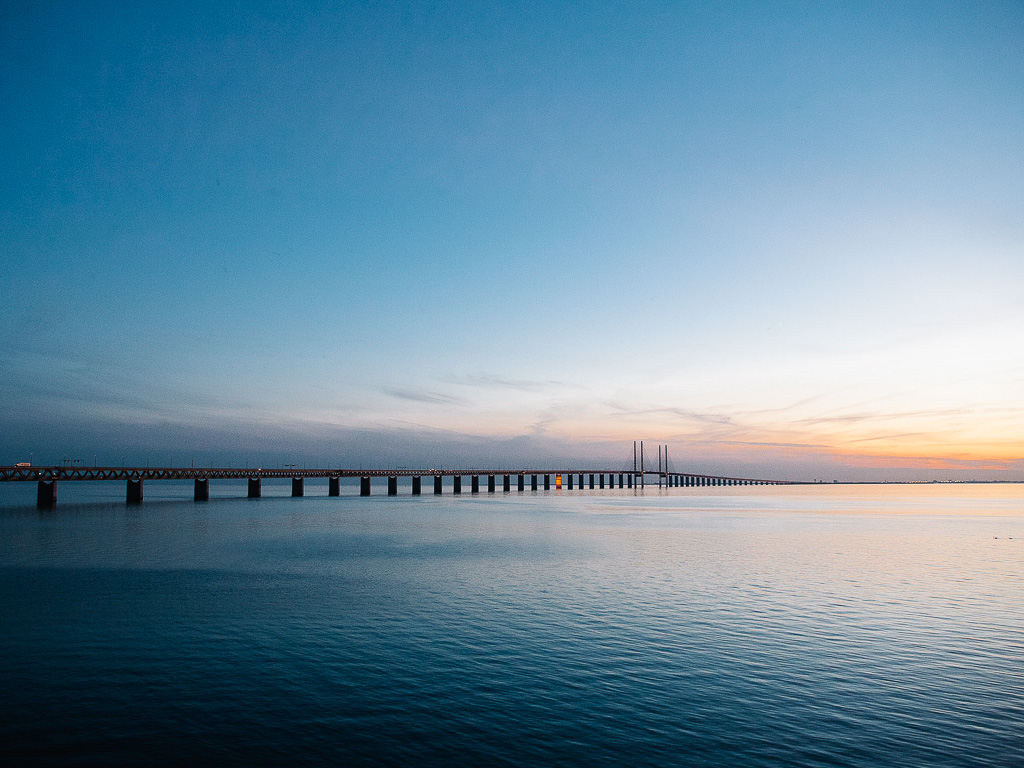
<point x="752" y="626"/>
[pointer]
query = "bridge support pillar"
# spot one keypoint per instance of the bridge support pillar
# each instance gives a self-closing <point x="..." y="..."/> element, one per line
<point x="507" y="484"/>
<point x="570" y="480"/>
<point x="600" y="481"/>
<point x="392" y="486"/>
<point x="417" y="486"/>
<point x="629" y="479"/>
<point x="437" y="485"/>
<point x="133" y="492"/>
<point x="364" y="486"/>
<point x="522" y="482"/>
<point x="200" y="490"/>
<point x="334" y="486"/>
<point x="46" y="494"/>
<point x="457" y="484"/>
<point x="547" y="482"/>
<point x="474" y="483"/>
<point x="591" y="481"/>
<point x="490" y="483"/>
<point x="298" y="486"/>
<point x="255" y="487"/>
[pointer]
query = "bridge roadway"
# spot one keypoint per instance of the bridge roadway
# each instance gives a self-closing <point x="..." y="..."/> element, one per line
<point x="48" y="477"/>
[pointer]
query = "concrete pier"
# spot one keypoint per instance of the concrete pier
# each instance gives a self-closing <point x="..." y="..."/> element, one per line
<point x="547" y="482"/>
<point x="591" y="481"/>
<point x="581" y="481"/>
<point x="255" y="487"/>
<point x="600" y="481"/>
<point x="46" y="494"/>
<point x="521" y="479"/>
<point x="437" y="485"/>
<point x="506" y="484"/>
<point x="457" y="484"/>
<point x="490" y="483"/>
<point x="417" y="486"/>
<point x="134" y="491"/>
<point x="474" y="483"/>
<point x="298" y="486"/>
<point x="533" y="482"/>
<point x="201" y="491"/>
<point x="570" y="480"/>
<point x="364" y="486"/>
<point x="392" y="486"/>
<point x="334" y="486"/>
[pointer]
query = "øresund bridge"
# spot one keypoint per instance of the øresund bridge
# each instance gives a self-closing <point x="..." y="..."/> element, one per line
<point x="47" y="478"/>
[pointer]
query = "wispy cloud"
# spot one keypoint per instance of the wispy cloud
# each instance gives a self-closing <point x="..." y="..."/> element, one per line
<point x="622" y="411"/>
<point x="492" y="381"/>
<point x="896" y="436"/>
<point x="763" y="444"/>
<point x="422" y="396"/>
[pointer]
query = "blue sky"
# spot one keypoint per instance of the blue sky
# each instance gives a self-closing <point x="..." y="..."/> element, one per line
<point x="784" y="238"/>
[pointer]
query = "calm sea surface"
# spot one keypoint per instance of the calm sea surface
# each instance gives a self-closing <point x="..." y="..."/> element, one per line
<point x="805" y="626"/>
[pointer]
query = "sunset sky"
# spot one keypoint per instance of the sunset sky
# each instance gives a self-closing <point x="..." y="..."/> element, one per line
<point x="787" y="239"/>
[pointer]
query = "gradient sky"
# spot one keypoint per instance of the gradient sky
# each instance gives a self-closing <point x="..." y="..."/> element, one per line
<point x="786" y="239"/>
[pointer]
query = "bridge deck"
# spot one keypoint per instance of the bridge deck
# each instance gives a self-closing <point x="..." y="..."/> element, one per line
<point x="47" y="474"/>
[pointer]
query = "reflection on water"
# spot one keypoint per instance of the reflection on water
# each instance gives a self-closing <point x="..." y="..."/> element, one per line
<point x="847" y="625"/>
